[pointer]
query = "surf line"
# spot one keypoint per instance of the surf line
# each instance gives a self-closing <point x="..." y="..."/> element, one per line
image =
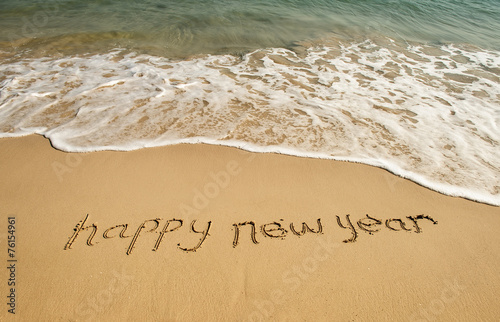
<point x="275" y="229"/>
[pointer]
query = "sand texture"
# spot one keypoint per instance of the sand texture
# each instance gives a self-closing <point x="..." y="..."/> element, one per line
<point x="199" y="232"/>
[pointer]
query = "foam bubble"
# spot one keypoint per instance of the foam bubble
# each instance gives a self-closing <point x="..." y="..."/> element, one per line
<point x="429" y="114"/>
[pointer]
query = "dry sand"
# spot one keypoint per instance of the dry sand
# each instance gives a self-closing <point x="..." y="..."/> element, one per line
<point x="446" y="271"/>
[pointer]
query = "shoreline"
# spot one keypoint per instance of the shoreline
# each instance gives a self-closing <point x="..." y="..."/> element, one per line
<point x="453" y="191"/>
<point x="444" y="142"/>
<point x="200" y="231"/>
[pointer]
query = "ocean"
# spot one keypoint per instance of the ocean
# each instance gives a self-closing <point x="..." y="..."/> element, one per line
<point x="409" y="86"/>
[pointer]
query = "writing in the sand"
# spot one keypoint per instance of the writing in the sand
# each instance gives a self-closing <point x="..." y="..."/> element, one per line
<point x="252" y="230"/>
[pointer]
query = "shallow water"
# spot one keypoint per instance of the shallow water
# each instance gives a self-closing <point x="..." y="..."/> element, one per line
<point x="180" y="28"/>
<point x="410" y="87"/>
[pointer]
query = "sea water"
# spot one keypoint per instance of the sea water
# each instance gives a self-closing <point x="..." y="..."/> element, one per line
<point x="409" y="86"/>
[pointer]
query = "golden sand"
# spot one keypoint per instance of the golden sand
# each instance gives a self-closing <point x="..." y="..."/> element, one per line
<point x="199" y="232"/>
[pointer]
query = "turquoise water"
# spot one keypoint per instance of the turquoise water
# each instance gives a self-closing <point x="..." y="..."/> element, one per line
<point x="182" y="27"/>
<point x="409" y="86"/>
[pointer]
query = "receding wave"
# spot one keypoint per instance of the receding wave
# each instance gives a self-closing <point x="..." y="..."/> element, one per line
<point x="427" y="113"/>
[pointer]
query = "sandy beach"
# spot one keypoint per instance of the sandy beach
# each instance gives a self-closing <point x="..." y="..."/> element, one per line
<point x="200" y="232"/>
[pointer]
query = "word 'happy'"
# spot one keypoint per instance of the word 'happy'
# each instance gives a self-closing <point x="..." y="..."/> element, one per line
<point x="274" y="229"/>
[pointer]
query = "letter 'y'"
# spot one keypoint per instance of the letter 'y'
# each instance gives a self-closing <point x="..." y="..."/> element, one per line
<point x="353" y="231"/>
<point x="204" y="232"/>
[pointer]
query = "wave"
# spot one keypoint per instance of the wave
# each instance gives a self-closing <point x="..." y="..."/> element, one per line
<point x="427" y="113"/>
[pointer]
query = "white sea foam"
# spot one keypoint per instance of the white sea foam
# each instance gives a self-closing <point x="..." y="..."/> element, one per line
<point x="428" y="114"/>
